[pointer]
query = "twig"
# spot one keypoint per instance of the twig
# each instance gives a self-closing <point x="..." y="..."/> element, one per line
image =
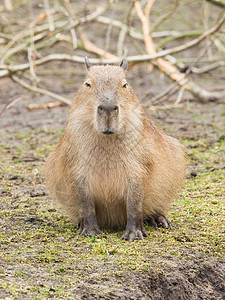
<point x="50" y="19"/>
<point x="44" y="106"/>
<point x="166" y="66"/>
<point x="220" y="47"/>
<point x="109" y="29"/>
<point x="40" y="91"/>
<point x="89" y="46"/>
<point x="204" y="95"/>
<point x="6" y="70"/>
<point x="167" y="106"/>
<point x="177" y="36"/>
<point x="133" y="32"/>
<point x="6" y="36"/>
<point x="165" y="16"/>
<point x="217" y="88"/>
<point x="120" y="41"/>
<point x="172" y="88"/>
<point x="146" y="24"/>
<point x="208" y="68"/>
<point x="162" y="64"/>
<point x="11" y="104"/>
<point x="89" y="18"/>
<point x="206" y="26"/>
<point x="26" y="44"/>
<point x="63" y="26"/>
<point x="180" y="95"/>
<point x="32" y="65"/>
<point x="72" y="31"/>
<point x="21" y="33"/>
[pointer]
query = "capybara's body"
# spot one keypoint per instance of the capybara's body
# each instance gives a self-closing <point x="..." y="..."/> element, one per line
<point x="113" y="167"/>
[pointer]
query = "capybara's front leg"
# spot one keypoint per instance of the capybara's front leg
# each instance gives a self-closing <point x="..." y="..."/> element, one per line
<point x="134" y="228"/>
<point x="87" y="223"/>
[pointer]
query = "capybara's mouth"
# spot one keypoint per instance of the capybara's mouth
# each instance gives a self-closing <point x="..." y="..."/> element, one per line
<point x="107" y="132"/>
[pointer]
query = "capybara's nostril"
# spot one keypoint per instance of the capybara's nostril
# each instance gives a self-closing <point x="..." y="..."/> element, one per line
<point x="107" y="108"/>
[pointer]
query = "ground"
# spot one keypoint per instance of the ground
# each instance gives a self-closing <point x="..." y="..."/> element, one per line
<point x="42" y="256"/>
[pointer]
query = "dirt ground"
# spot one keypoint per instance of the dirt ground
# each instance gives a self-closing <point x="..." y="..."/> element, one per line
<point x="41" y="255"/>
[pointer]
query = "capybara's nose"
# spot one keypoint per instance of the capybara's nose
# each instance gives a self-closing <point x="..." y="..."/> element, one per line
<point x="107" y="108"/>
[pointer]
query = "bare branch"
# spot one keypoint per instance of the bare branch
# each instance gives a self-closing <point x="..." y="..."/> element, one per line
<point x="6" y="70"/>
<point x="44" y="106"/>
<point x="166" y="66"/>
<point x="204" y="95"/>
<point x="208" y="68"/>
<point x="21" y="33"/>
<point x="165" y="16"/>
<point x="40" y="91"/>
<point x="180" y="95"/>
<point x="62" y="26"/>
<point x="50" y="19"/>
<point x="32" y="65"/>
<point x="89" y="46"/>
<point x="220" y="47"/>
<point x="166" y="106"/>
<point x="134" y="33"/>
<point x="10" y="104"/>
<point x="72" y="31"/>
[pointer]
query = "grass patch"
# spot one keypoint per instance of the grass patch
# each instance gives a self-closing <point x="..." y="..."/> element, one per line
<point x="42" y="255"/>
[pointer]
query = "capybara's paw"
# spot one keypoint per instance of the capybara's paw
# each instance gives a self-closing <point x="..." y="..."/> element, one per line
<point x="158" y="221"/>
<point x="133" y="233"/>
<point x="88" y="226"/>
<point x="89" y="230"/>
<point x="162" y="221"/>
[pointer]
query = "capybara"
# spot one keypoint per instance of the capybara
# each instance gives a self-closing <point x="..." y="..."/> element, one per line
<point x="113" y="166"/>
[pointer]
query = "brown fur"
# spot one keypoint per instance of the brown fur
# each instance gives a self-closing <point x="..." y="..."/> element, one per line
<point x="105" y="165"/>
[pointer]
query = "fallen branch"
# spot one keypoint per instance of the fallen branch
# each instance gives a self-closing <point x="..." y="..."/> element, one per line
<point x="204" y="95"/>
<point x="181" y="35"/>
<point x="21" y="34"/>
<point x="40" y="91"/>
<point x="134" y="33"/>
<point x="166" y="66"/>
<point x="162" y="64"/>
<point x="166" y="16"/>
<point x="60" y="26"/>
<point x="89" y="46"/>
<point x="39" y="35"/>
<point x="162" y="107"/>
<point x="10" y="104"/>
<point x="45" y="105"/>
<point x="6" y="70"/>
<point x="208" y="68"/>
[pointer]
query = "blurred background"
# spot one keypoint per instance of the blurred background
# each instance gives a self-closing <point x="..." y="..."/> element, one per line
<point x="43" y="44"/>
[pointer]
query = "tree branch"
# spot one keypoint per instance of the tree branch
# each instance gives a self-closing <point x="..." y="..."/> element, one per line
<point x="40" y="91"/>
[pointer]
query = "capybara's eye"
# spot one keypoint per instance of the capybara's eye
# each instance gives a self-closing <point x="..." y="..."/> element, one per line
<point x="87" y="84"/>
<point x="125" y="85"/>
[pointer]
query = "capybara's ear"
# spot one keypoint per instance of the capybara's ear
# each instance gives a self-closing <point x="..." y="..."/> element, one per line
<point x="124" y="64"/>
<point x="87" y="64"/>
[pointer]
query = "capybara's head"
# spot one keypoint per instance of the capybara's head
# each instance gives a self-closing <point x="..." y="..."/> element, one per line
<point x="105" y="102"/>
<point x="108" y="96"/>
<point x="106" y="87"/>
